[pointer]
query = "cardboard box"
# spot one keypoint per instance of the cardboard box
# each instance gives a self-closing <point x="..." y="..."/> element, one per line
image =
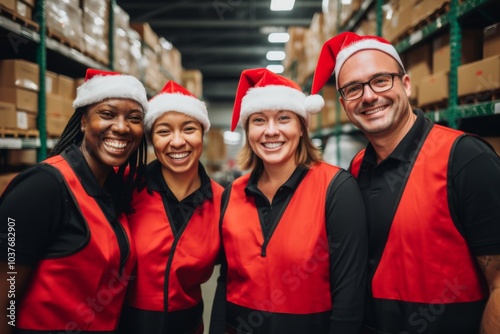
<point x="9" y="4"/>
<point x="398" y="23"/>
<point x="66" y="87"/>
<point x="329" y="112"/>
<point x="479" y="77"/>
<point x="24" y="9"/>
<point x="67" y="109"/>
<point x="433" y="89"/>
<point x="192" y="80"/>
<point x="53" y="105"/>
<point x="418" y="66"/>
<point x="55" y="125"/>
<point x="50" y="82"/>
<point x="30" y="3"/>
<point x="8" y="115"/>
<point x="19" y="73"/>
<point x="471" y="50"/>
<point x="149" y="37"/>
<point x="23" y="99"/>
<point x="491" y="40"/>
<point x="30" y="119"/>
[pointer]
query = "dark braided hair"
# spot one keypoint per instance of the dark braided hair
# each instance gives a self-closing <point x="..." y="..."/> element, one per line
<point x="121" y="192"/>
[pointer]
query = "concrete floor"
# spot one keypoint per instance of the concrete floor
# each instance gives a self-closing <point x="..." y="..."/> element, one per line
<point x="208" y="291"/>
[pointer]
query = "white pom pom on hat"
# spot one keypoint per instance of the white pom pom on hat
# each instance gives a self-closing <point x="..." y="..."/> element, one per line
<point x="260" y="89"/>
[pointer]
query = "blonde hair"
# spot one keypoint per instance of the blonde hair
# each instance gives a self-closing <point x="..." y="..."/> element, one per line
<point x="306" y="154"/>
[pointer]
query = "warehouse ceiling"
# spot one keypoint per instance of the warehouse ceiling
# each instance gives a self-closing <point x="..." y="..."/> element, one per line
<point x="220" y="37"/>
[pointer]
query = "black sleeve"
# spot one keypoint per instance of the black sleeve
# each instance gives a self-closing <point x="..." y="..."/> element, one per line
<point x="475" y="172"/>
<point x="218" y="316"/>
<point x="29" y="202"/>
<point x="348" y="242"/>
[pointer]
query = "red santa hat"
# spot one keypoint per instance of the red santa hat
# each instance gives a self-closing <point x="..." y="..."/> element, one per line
<point x="338" y="49"/>
<point x="174" y="97"/>
<point x="100" y="85"/>
<point x="260" y="89"/>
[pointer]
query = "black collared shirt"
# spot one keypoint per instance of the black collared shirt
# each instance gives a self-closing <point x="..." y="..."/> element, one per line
<point x="475" y="183"/>
<point x="48" y="222"/>
<point x="270" y="213"/>
<point x="179" y="212"/>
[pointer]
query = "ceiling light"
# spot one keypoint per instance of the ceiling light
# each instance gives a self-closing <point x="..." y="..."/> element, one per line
<point x="275" y="55"/>
<point x="277" y="5"/>
<point x="278" y="37"/>
<point x="275" y="68"/>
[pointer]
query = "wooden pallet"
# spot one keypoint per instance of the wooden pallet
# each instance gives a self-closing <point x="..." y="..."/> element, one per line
<point x="19" y="133"/>
<point x="18" y="18"/>
<point x="63" y="40"/>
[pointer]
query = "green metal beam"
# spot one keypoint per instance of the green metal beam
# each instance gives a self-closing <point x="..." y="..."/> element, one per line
<point x="41" y="55"/>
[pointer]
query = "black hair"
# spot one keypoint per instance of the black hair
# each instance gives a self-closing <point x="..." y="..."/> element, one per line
<point x="129" y="173"/>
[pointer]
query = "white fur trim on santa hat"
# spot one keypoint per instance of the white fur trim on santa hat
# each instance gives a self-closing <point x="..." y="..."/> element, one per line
<point x="365" y="44"/>
<point x="185" y="104"/>
<point x="103" y="87"/>
<point x="273" y="97"/>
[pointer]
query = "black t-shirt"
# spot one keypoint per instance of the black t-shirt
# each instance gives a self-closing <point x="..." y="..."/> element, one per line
<point x="48" y="222"/>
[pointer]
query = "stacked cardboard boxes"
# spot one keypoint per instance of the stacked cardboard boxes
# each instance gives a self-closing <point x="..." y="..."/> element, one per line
<point x="19" y="85"/>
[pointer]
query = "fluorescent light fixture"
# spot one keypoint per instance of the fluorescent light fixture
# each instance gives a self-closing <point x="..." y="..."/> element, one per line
<point x="346" y="2"/>
<point x="275" y="55"/>
<point x="232" y="138"/>
<point x="276" y="68"/>
<point x="278" y="37"/>
<point x="277" y="5"/>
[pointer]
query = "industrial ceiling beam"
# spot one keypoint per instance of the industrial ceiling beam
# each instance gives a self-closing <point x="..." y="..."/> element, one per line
<point x="155" y="23"/>
<point x="203" y="4"/>
<point x="230" y="50"/>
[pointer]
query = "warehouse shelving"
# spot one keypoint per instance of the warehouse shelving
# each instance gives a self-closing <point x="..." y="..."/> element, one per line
<point x="24" y="42"/>
<point x="454" y="114"/>
<point x="34" y="46"/>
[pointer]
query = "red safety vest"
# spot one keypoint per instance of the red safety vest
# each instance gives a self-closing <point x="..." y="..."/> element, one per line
<point x="426" y="259"/>
<point x="83" y="291"/>
<point x="186" y="261"/>
<point x="291" y="274"/>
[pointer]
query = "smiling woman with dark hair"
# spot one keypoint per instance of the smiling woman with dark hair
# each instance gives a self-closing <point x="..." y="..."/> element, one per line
<point x="72" y="244"/>
<point x="175" y="222"/>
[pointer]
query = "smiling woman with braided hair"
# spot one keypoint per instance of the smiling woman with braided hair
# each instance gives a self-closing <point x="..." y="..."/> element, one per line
<point x="73" y="251"/>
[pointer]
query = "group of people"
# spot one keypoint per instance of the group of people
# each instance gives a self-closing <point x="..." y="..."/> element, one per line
<point x="406" y="241"/>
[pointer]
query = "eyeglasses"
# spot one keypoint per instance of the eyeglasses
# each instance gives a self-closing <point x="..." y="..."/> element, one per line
<point x="379" y="84"/>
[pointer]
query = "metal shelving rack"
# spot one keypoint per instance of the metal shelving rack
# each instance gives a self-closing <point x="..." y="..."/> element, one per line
<point x="44" y="43"/>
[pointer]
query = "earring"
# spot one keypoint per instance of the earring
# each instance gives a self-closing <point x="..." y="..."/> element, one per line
<point x="83" y="129"/>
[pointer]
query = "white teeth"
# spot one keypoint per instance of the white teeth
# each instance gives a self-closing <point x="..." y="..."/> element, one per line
<point x="371" y="112"/>
<point x="116" y="144"/>
<point x="178" y="155"/>
<point x="273" y="145"/>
